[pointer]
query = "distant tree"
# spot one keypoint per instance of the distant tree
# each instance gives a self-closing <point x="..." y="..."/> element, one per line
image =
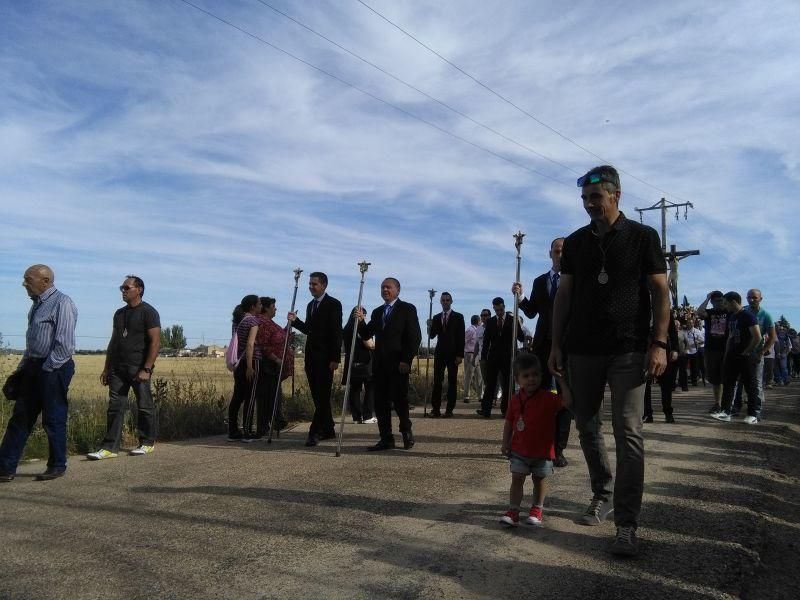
<point x="2" y="345"/>
<point x="172" y="338"/>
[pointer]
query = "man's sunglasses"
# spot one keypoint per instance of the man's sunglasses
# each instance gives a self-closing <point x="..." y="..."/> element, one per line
<point x="125" y="288"/>
<point x="591" y="178"/>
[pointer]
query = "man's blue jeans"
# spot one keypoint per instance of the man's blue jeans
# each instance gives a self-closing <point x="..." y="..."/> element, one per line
<point x="48" y="396"/>
<point x="624" y="374"/>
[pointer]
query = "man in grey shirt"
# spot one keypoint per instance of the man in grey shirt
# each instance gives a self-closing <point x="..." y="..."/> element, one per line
<point x="130" y="359"/>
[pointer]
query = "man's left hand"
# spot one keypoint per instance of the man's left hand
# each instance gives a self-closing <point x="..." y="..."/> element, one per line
<point x="656" y="360"/>
<point x="458" y="360"/>
<point x="143" y="375"/>
<point x="404" y="368"/>
<point x="333" y="366"/>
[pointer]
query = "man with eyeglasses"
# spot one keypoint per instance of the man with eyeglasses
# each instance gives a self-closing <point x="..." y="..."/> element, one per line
<point x="613" y="284"/>
<point x="130" y="359"/>
<point x="42" y="378"/>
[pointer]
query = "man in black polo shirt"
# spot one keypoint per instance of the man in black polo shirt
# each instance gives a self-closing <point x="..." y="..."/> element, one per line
<point x="130" y="359"/>
<point x="611" y="269"/>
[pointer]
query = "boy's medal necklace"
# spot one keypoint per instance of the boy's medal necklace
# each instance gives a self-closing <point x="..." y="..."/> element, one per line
<point x="521" y="421"/>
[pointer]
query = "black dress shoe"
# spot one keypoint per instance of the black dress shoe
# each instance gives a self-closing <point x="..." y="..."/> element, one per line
<point x="448" y="414"/>
<point x="480" y="413"/>
<point x="50" y="474"/>
<point x="311" y="441"/>
<point x="560" y="461"/>
<point x="327" y="436"/>
<point x="6" y="477"/>
<point x="387" y="444"/>
<point x="670" y="419"/>
<point x="408" y="440"/>
<point x="434" y="414"/>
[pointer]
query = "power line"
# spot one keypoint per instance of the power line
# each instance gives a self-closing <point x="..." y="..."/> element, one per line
<point x="371" y="95"/>
<point x="416" y="89"/>
<point x="510" y="102"/>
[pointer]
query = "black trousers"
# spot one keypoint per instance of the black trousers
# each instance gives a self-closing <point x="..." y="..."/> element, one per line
<point x="494" y="369"/>
<point x="441" y="363"/>
<point x="361" y="408"/>
<point x="391" y="390"/>
<point x="666" y="382"/>
<point x="320" y="382"/>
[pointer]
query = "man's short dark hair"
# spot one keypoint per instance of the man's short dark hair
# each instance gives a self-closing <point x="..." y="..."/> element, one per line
<point x="487" y="311"/>
<point x="553" y="243"/>
<point x="323" y="279"/>
<point x="137" y="281"/>
<point x="474" y="319"/>
<point x="605" y="175"/>
<point x="497" y="301"/>
<point x="715" y="295"/>
<point x="448" y="294"/>
<point x="733" y="296"/>
<point x="525" y="361"/>
<point x="396" y="281"/>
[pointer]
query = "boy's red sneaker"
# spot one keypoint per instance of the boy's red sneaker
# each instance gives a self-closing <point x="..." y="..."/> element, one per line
<point x="535" y="518"/>
<point x="510" y="518"/>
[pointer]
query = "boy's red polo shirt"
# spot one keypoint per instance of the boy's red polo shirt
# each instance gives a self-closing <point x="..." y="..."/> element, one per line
<point x="538" y="438"/>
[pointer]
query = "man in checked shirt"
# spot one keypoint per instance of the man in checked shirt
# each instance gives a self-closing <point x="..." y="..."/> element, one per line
<point x="47" y="370"/>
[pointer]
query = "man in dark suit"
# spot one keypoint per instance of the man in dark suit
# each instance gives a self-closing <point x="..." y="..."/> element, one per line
<point x="395" y="327"/>
<point x="323" y="326"/>
<point x="497" y="354"/>
<point x="448" y="327"/>
<point x="541" y="303"/>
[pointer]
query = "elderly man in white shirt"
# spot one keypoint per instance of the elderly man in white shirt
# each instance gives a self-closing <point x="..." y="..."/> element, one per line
<point x="472" y="373"/>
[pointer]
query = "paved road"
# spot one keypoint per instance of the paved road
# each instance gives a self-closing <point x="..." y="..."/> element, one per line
<point x="209" y="519"/>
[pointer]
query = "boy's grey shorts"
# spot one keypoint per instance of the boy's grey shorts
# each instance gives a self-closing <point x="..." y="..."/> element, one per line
<point x="538" y="467"/>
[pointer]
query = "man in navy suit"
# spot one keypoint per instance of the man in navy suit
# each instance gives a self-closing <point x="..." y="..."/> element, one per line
<point x="497" y="354"/>
<point x="323" y="326"/>
<point x="448" y="328"/>
<point x="395" y="327"/>
<point x="541" y="303"/>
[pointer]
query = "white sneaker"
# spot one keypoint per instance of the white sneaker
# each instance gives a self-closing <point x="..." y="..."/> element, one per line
<point x="750" y="420"/>
<point x="722" y="416"/>
<point x="101" y="454"/>
<point x="372" y="420"/>
<point x="142" y="450"/>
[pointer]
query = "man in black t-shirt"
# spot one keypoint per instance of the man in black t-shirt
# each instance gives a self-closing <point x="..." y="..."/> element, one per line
<point x="613" y="282"/>
<point x="131" y="354"/>
<point x="716" y="325"/>
<point x="744" y="335"/>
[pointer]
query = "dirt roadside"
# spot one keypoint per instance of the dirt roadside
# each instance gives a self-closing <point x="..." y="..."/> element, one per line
<point x="209" y="519"/>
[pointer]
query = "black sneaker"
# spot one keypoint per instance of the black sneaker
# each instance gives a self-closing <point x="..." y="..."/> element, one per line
<point x="597" y="511"/>
<point x="234" y="437"/>
<point x="625" y="542"/>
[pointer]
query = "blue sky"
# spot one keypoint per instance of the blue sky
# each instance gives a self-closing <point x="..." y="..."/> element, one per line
<point x="147" y="137"/>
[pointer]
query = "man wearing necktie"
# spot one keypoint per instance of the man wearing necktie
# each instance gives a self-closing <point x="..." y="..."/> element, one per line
<point x="496" y="351"/>
<point x="323" y="352"/>
<point x="448" y="328"/>
<point x="541" y="304"/>
<point x="395" y="327"/>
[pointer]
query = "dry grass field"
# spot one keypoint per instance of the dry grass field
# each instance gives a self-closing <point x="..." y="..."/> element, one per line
<point x="191" y="395"/>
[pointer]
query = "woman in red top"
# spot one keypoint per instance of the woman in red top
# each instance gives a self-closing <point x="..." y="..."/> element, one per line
<point x="271" y="339"/>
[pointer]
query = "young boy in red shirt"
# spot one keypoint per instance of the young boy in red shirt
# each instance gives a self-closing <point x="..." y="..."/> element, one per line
<point x="529" y="436"/>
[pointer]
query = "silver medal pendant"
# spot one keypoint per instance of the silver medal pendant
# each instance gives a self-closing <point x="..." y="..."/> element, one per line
<point x="602" y="277"/>
<point x="125" y="332"/>
<point x="520" y="424"/>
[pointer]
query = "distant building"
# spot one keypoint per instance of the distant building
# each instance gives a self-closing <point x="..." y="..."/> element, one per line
<point x="212" y="351"/>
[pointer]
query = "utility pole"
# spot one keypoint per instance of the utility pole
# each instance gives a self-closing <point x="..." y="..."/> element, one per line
<point x="674" y="255"/>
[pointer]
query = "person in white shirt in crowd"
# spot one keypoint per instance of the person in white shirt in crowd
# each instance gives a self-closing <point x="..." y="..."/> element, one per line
<point x="472" y="373"/>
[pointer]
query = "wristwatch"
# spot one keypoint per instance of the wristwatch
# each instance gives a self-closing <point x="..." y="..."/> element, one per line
<point x="660" y="344"/>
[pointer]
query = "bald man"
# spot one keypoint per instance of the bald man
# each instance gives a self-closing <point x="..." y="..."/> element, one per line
<point x="44" y="374"/>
